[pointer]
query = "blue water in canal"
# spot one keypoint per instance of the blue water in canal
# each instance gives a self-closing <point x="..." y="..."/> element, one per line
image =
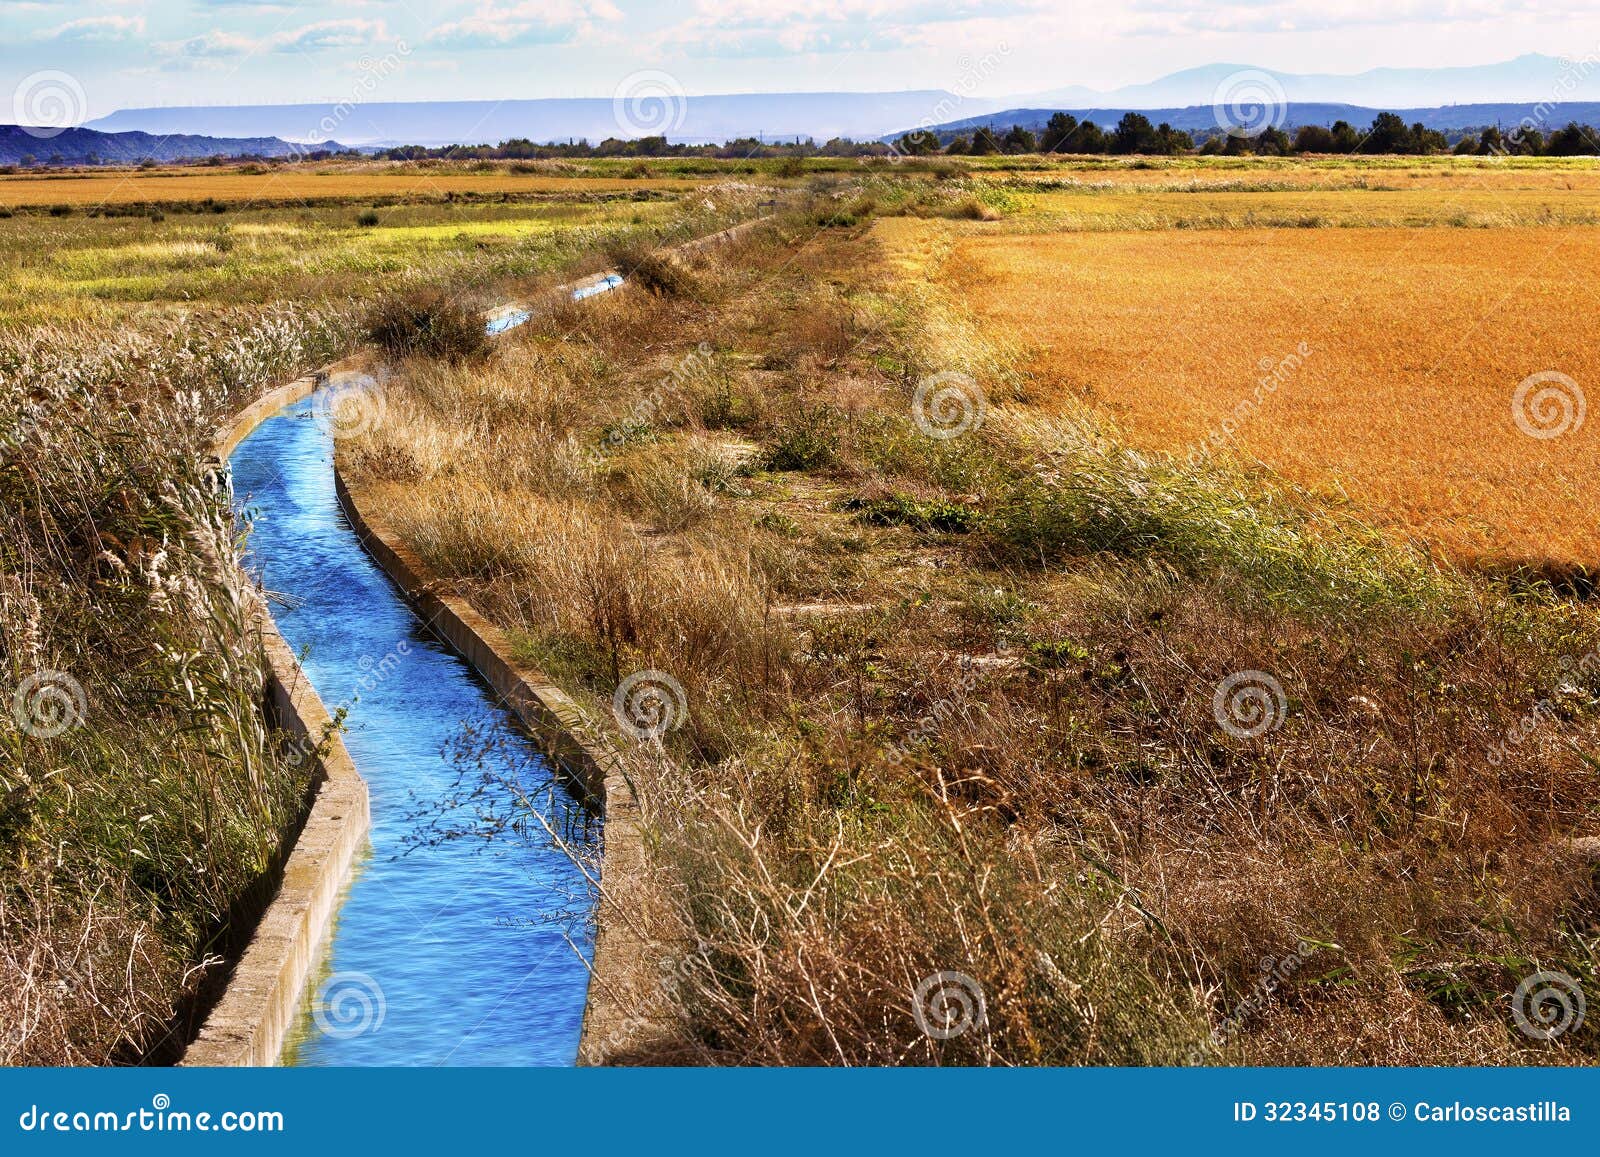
<point x="446" y="951"/>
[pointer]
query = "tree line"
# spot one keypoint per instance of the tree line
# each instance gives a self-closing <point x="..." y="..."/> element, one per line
<point x="1134" y="133"/>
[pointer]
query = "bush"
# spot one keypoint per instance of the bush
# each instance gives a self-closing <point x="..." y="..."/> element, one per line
<point x="368" y="218"/>
<point x="807" y="442"/>
<point x="428" y="323"/>
<point x="939" y="515"/>
<point x="973" y="209"/>
<point x="655" y="272"/>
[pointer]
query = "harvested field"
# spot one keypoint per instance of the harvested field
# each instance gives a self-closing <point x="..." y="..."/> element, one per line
<point x="280" y="186"/>
<point x="1418" y="341"/>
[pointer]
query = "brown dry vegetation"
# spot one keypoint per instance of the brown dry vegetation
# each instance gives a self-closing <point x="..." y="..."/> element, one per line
<point x="139" y="838"/>
<point x="1418" y="340"/>
<point x="950" y="702"/>
<point x="304" y="184"/>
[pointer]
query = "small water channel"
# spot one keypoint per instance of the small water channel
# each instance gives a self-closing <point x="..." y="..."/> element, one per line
<point x="449" y="948"/>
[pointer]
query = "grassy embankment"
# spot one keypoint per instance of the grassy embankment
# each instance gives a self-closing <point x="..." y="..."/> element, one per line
<point x="142" y="797"/>
<point x="1118" y="736"/>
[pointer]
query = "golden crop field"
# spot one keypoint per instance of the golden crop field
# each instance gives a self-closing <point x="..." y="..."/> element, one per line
<point x="1391" y="359"/>
<point x="1374" y="173"/>
<point x="299" y="183"/>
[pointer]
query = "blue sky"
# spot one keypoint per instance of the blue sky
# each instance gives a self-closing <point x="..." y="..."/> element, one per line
<point x="122" y="53"/>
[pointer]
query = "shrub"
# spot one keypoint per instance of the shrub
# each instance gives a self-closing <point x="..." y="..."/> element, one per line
<point x="806" y="442"/>
<point x="937" y="515"/>
<point x="367" y="218"/>
<point x="428" y="323"/>
<point x="655" y="272"/>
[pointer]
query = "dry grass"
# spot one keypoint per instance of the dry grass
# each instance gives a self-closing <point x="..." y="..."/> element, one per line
<point x="302" y="184"/>
<point x="1418" y="341"/>
<point x="950" y="702"/>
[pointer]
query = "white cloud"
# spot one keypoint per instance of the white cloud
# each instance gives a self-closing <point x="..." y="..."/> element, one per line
<point x="326" y="34"/>
<point x="94" y="29"/>
<point x="215" y="43"/>
<point x="779" y="28"/>
<point x="530" y="22"/>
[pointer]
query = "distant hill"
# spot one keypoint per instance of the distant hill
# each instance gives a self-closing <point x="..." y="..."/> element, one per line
<point x="1527" y="79"/>
<point x="696" y="119"/>
<point x="1199" y="118"/>
<point x="88" y="146"/>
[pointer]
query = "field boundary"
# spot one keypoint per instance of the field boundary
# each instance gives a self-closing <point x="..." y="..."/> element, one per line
<point x="620" y="977"/>
<point x="250" y="1022"/>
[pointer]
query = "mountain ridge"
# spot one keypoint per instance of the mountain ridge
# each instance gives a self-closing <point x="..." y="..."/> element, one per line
<point x="86" y="145"/>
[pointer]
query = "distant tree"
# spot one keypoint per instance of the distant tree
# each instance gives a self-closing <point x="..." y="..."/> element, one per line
<point x="1313" y="139"/>
<point x="1213" y="145"/>
<point x="1426" y="141"/>
<point x="1527" y="141"/>
<point x="1089" y="138"/>
<point x="1572" y="141"/>
<point x="1272" y="142"/>
<point x="1019" y="140"/>
<point x="1490" y="141"/>
<point x="1135" y="134"/>
<point x="1345" y="137"/>
<point x="984" y="142"/>
<point x="1058" y="130"/>
<point x="959" y="147"/>
<point x="918" y="143"/>
<point x="1388" y="134"/>
<point x="1173" y="141"/>
<point x="1466" y="146"/>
